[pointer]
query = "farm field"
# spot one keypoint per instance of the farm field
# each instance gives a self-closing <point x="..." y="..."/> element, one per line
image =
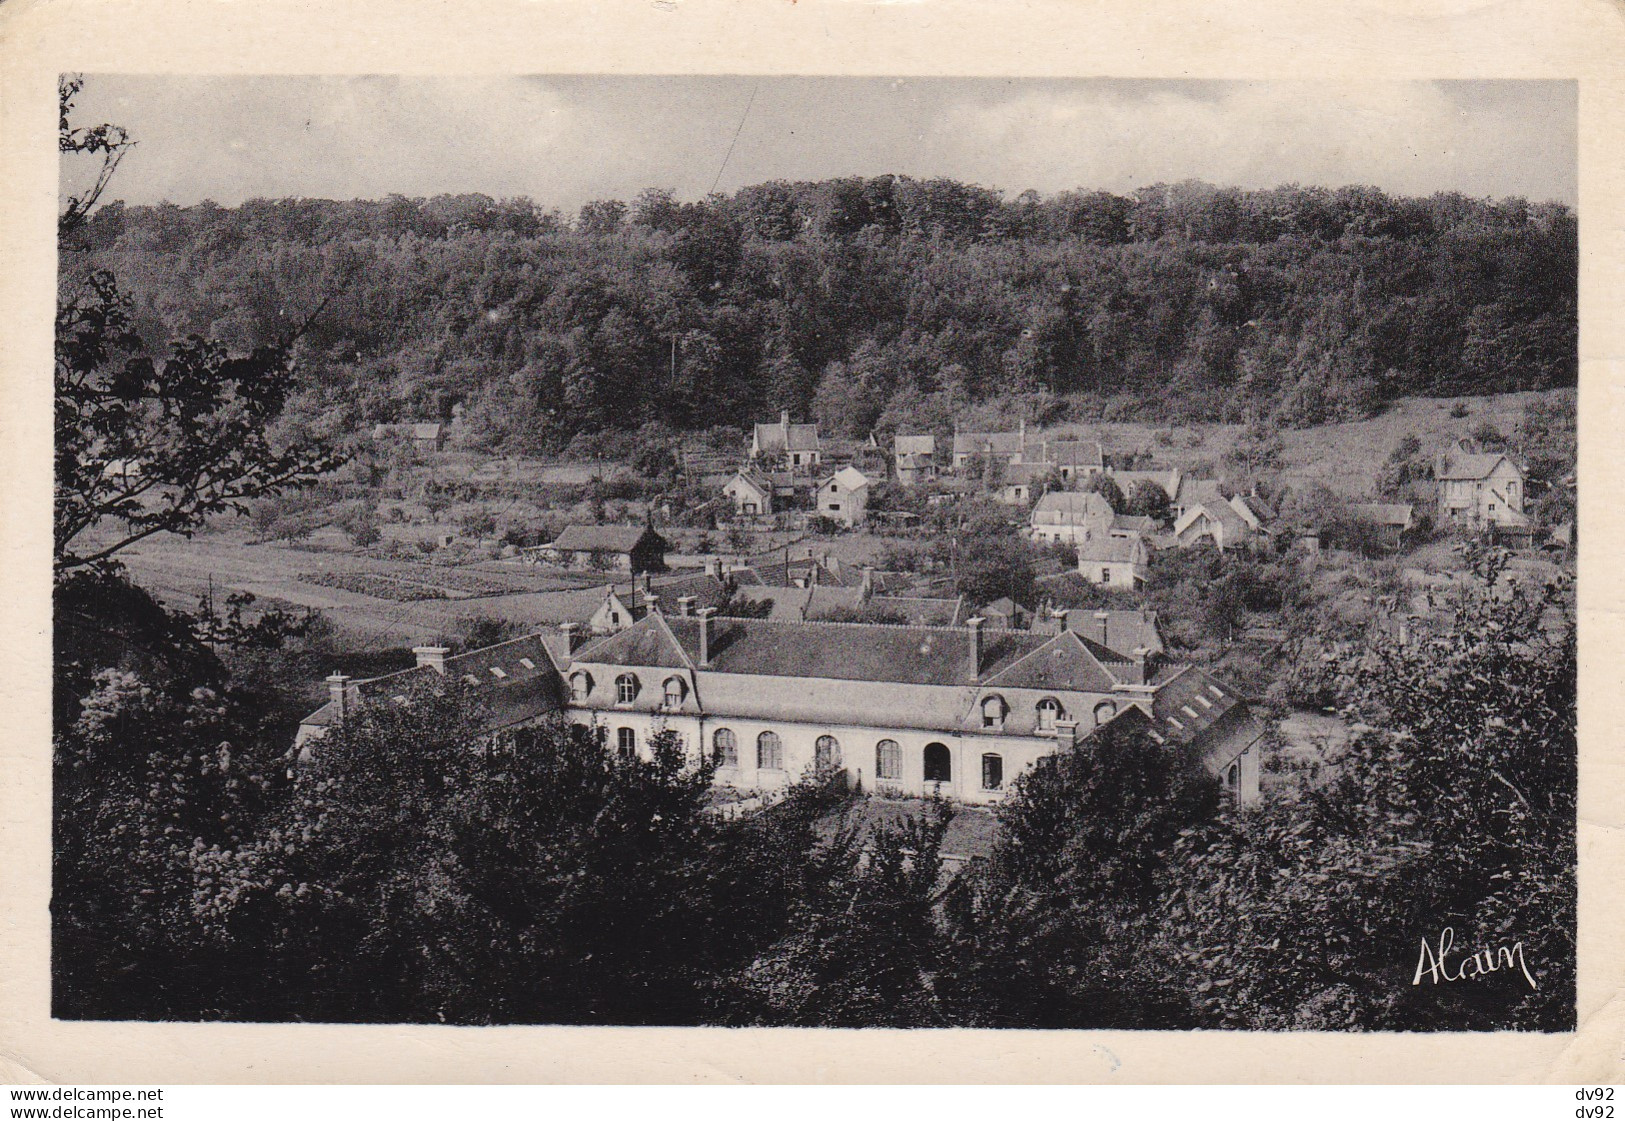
<point x="180" y="572"/>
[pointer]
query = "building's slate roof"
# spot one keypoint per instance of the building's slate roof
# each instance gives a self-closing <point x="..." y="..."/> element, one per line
<point x="1122" y="631"/>
<point x="1064" y="662"/>
<point x="999" y="443"/>
<point x="1070" y="507"/>
<point x="787" y="438"/>
<point x="1168" y="480"/>
<point x="521" y="693"/>
<point x="1467" y="465"/>
<point x="1112" y="550"/>
<point x="605" y="538"/>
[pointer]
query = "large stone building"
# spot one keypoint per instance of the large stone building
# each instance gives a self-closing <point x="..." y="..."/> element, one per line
<point x="956" y="711"/>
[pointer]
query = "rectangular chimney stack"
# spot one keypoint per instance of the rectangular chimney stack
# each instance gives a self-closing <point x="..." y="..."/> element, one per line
<point x="685" y="606"/>
<point x="338" y="690"/>
<point x="572" y="636"/>
<point x="706" y="614"/>
<point x="1102" y="618"/>
<point x="976" y="626"/>
<point x="431" y="657"/>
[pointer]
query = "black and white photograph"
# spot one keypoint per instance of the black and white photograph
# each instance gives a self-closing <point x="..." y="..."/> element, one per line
<point x="816" y="551"/>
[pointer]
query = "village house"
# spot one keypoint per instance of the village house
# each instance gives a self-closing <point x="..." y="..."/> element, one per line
<point x="797" y="446"/>
<point x="1019" y="483"/>
<point x="751" y="493"/>
<point x="992" y="449"/>
<point x="623" y="548"/>
<point x="1216" y="520"/>
<point x="1480" y="489"/>
<point x="1168" y="481"/>
<point x="1073" y="459"/>
<point x="844" y="497"/>
<point x="420" y="435"/>
<point x="1114" y="561"/>
<point x="1070" y="517"/>
<point x="1390" y="520"/>
<point x="915" y="459"/>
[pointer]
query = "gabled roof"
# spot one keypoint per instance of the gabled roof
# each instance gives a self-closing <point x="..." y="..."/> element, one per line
<point x="847" y="478"/>
<point x="648" y="642"/>
<point x="1461" y="464"/>
<point x="520" y="692"/>
<point x="1235" y="527"/>
<point x="606" y="538"/>
<point x="1075" y="453"/>
<point x="755" y="479"/>
<point x="797" y="605"/>
<point x="1024" y="474"/>
<point x="923" y="611"/>
<point x="999" y="443"/>
<point x="1113" y="549"/>
<point x="1169" y="480"/>
<point x="1066" y="662"/>
<point x="1189" y="702"/>
<point x="787" y="437"/>
<point x="1133" y="523"/>
<point x="871" y="652"/>
<point x="914" y="445"/>
<point x="1122" y="632"/>
<point x="1071" y="507"/>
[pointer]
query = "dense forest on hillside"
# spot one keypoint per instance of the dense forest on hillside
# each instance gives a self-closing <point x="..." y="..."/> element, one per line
<point x="866" y="303"/>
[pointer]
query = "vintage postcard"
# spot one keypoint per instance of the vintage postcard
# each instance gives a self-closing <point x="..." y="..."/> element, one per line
<point x="834" y="542"/>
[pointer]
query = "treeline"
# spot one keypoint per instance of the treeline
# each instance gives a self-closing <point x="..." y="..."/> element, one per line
<point x="412" y="869"/>
<point x="866" y="303"/>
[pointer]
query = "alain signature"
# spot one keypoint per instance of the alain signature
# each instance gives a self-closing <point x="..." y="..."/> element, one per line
<point x="1435" y="964"/>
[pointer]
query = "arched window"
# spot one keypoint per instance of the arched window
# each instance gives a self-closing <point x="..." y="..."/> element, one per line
<point x="769" y="752"/>
<point x="1104" y="711"/>
<point x="580" y="687"/>
<point x="826" y="752"/>
<point x="992" y="772"/>
<point x="626" y="742"/>
<point x="1049" y="711"/>
<point x="939" y="763"/>
<point x="993" y="710"/>
<point x="626" y="689"/>
<point x="888" y="760"/>
<point x="725" y="748"/>
<point x="676" y="689"/>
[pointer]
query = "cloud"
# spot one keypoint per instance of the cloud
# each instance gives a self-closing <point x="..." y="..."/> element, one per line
<point x="565" y="140"/>
<point x="1410" y="137"/>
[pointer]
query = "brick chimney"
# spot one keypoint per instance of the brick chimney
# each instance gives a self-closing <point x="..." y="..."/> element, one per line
<point x="706" y="614"/>
<point x="651" y="603"/>
<point x="338" y="687"/>
<point x="868" y="580"/>
<point x="572" y="636"/>
<point x="1142" y="662"/>
<point x="685" y="606"/>
<point x="976" y="626"/>
<point x="431" y="657"/>
<point x="713" y="567"/>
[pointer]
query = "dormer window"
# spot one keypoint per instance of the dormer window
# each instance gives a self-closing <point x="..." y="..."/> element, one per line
<point x="626" y="689"/>
<point x="675" y="691"/>
<point x="993" y="712"/>
<point x="580" y="687"/>
<point x="498" y="672"/>
<point x="1049" y="711"/>
<point x="1104" y="711"/>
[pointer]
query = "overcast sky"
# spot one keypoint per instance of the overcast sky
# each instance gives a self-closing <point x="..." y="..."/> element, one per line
<point x="564" y="141"/>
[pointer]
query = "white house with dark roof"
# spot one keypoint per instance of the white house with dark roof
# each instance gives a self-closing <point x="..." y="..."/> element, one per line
<point x="626" y="548"/>
<point x="844" y="497"/>
<point x="750" y="492"/>
<point x="1071" y="517"/>
<point x="1114" y="561"/>
<point x="798" y="445"/>
<point x="1480" y="488"/>
<point x="915" y="459"/>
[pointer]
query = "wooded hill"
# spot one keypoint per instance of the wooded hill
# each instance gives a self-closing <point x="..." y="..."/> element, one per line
<point x="865" y="303"/>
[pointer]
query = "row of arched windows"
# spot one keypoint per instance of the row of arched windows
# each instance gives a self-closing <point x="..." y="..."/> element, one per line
<point x="995" y="710"/>
<point x="937" y="759"/>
